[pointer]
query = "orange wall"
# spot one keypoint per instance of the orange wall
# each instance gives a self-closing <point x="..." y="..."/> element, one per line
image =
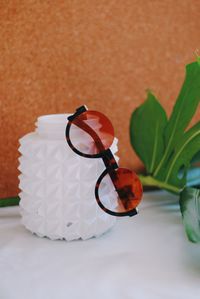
<point x="57" y="55"/>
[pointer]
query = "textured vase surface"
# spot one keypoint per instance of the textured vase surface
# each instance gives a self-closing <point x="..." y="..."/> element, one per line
<point x="57" y="185"/>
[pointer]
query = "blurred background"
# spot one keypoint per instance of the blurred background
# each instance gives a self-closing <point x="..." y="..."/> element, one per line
<point x="57" y="55"/>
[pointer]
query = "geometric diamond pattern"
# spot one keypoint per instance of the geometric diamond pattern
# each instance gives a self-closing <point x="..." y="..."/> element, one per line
<point x="57" y="198"/>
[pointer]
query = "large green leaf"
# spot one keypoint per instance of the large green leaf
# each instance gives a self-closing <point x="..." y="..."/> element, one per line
<point x="175" y="147"/>
<point x="190" y="209"/>
<point x="183" y="111"/>
<point x="147" y="124"/>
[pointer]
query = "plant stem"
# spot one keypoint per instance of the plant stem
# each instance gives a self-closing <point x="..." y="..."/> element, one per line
<point x="150" y="181"/>
<point x="10" y="201"/>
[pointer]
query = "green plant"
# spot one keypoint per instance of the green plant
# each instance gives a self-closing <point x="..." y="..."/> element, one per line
<point x="167" y="148"/>
<point x="10" y="201"/>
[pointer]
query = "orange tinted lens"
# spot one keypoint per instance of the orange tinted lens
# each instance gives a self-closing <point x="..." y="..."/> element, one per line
<point x="122" y="193"/>
<point x="91" y="133"/>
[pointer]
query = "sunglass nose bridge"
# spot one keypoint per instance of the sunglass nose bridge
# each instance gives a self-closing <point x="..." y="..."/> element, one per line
<point x="109" y="160"/>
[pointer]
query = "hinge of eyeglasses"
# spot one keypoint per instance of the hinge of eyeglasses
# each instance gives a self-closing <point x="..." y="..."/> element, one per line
<point x="133" y="213"/>
<point x="79" y="110"/>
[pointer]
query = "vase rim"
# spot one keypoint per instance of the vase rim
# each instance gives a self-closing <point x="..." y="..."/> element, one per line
<point x="52" y="126"/>
<point x="53" y="118"/>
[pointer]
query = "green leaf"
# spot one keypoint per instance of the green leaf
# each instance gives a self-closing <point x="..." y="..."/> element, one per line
<point x="183" y="152"/>
<point x="147" y="124"/>
<point x="183" y="111"/>
<point x="190" y="209"/>
<point x="10" y="201"/>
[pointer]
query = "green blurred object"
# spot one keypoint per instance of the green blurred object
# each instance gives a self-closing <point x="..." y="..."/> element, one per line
<point x="190" y="209"/>
<point x="10" y="201"/>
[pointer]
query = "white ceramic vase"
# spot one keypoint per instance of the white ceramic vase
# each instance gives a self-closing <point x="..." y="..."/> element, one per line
<point x="57" y="185"/>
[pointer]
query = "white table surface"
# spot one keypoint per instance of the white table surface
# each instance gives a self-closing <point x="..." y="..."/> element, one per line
<point x="144" y="257"/>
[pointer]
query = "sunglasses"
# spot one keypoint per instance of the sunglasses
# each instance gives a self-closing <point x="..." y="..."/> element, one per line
<point x="118" y="191"/>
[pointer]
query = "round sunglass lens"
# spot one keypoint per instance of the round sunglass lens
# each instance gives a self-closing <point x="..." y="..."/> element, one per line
<point x="91" y="133"/>
<point x="122" y="193"/>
